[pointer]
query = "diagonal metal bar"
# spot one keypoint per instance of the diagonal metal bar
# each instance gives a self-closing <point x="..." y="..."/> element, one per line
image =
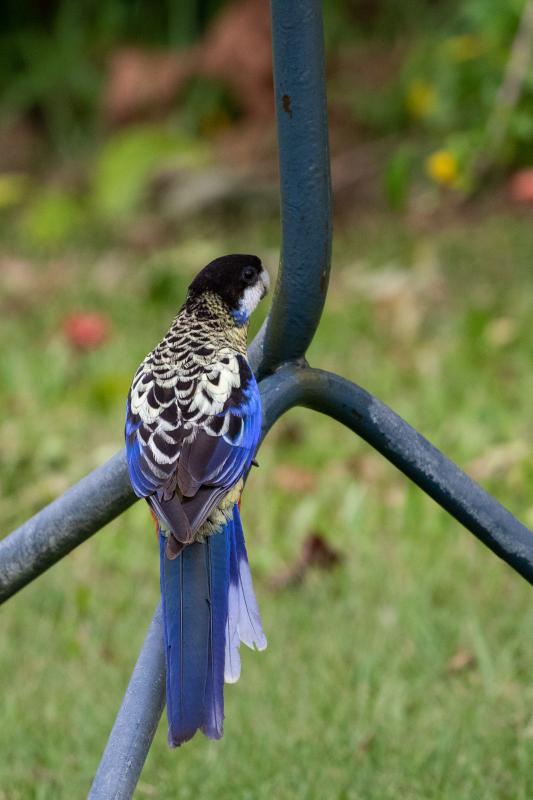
<point x="362" y="413"/>
<point x="417" y="458"/>
<point x="64" y="524"/>
<point x="68" y="521"/>
<point x="136" y="722"/>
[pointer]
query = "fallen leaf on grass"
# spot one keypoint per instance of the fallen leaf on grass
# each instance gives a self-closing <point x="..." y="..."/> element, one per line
<point x="147" y="789"/>
<point x="368" y="467"/>
<point x="290" y="432"/>
<point x="315" y="552"/>
<point x="461" y="660"/>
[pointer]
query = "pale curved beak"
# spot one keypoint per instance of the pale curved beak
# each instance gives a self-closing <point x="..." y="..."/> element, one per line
<point x="264" y="277"/>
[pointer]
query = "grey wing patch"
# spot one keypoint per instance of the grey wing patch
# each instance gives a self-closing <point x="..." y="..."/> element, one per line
<point x="201" y="461"/>
<point x="199" y="507"/>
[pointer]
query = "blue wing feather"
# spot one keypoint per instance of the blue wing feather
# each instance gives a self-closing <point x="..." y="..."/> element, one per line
<point x="143" y="483"/>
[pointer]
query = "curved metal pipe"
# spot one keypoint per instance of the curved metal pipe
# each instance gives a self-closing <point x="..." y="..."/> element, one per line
<point x="299" y="79"/>
<point x="301" y="113"/>
<point x="417" y="458"/>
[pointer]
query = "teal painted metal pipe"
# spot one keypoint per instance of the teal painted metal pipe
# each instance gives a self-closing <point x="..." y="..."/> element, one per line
<point x="305" y="186"/>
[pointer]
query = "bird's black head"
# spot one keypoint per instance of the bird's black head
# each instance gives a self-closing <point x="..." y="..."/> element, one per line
<point x="239" y="280"/>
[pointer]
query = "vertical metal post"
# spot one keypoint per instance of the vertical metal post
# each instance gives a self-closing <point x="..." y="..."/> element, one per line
<point x="301" y="113"/>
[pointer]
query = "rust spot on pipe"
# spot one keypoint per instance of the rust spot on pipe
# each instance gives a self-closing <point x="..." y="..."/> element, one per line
<point x="286" y="100"/>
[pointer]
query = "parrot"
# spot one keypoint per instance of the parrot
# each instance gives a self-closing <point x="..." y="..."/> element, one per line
<point x="193" y="424"/>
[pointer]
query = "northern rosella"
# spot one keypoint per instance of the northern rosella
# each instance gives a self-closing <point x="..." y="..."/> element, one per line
<point x="193" y="422"/>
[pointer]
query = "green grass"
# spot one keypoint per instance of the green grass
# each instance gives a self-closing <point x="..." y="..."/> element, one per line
<point x="357" y="695"/>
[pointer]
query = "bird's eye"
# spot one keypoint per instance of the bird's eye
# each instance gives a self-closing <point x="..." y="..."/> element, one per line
<point x="248" y="274"/>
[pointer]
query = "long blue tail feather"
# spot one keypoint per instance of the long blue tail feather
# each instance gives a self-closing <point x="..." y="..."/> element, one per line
<point x="217" y="564"/>
<point x="209" y="607"/>
<point x="185" y="596"/>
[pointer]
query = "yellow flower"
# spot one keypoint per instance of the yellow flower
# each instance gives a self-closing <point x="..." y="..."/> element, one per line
<point x="465" y="48"/>
<point x="421" y="99"/>
<point x="442" y="167"/>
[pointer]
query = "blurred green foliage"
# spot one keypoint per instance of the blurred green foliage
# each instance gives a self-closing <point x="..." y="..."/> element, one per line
<point x="52" y="62"/>
<point x="52" y="55"/>
<point x="52" y="218"/>
<point x="349" y="20"/>
<point x="450" y="84"/>
<point x="48" y="68"/>
<point x="131" y="156"/>
<point x="443" y="97"/>
<point x="116" y="189"/>
<point x="207" y="106"/>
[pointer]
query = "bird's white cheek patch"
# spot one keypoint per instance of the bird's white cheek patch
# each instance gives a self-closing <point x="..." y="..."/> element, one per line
<point x="265" y="277"/>
<point x="250" y="299"/>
